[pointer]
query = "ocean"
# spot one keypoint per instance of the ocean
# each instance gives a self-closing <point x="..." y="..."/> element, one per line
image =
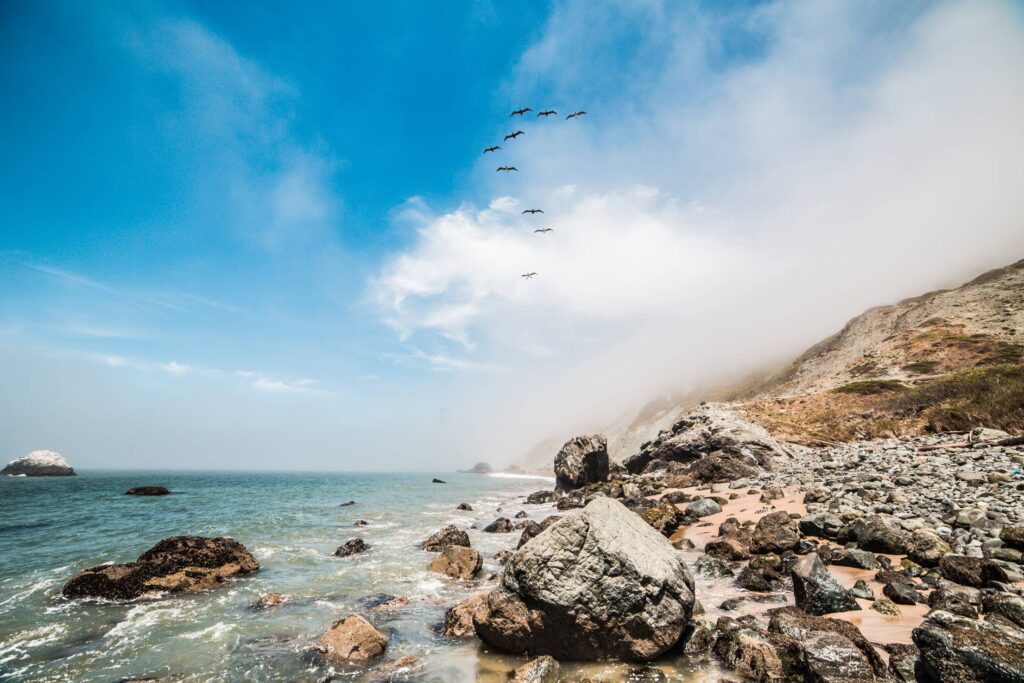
<point x="51" y="528"/>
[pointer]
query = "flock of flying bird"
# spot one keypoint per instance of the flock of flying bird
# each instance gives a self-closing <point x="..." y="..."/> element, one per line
<point x="508" y="169"/>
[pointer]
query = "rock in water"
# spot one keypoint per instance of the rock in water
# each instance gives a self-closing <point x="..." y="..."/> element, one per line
<point x="353" y="639"/>
<point x="352" y="546"/>
<point x="450" y="535"/>
<point x="147" y="491"/>
<point x="458" y="620"/>
<point x="582" y="460"/>
<point x="775" y="533"/>
<point x="540" y="670"/>
<point x="457" y="562"/>
<point x="502" y="525"/>
<point x="817" y="591"/>
<point x="599" y="584"/>
<point x="39" y="464"/>
<point x="177" y="564"/>
<point x="962" y="650"/>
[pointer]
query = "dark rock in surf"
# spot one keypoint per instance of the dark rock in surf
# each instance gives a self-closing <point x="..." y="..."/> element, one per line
<point x="352" y="546"/>
<point x="448" y="536"/>
<point x="147" y="491"/>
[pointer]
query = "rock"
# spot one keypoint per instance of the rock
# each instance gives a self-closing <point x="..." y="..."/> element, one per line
<point x="971" y="571"/>
<point x="1006" y="605"/>
<point x="360" y="522"/>
<point x="860" y="559"/>
<point x="727" y="548"/>
<point x="886" y="606"/>
<point x="598" y="584"/>
<point x="352" y="546"/>
<point x="878" y="534"/>
<point x="501" y="557"/>
<point x="821" y="524"/>
<point x="803" y="629"/>
<point x="533" y="529"/>
<point x="393" y="670"/>
<point x="176" y="564"/>
<point x="770" y="494"/>
<point x="457" y="562"/>
<point x="438" y="481"/>
<point x="758" y="580"/>
<point x="383" y="602"/>
<point x="541" y="497"/>
<point x="816" y="590"/>
<point x="952" y="602"/>
<point x="480" y="468"/>
<point x="502" y="525"/>
<point x="269" y="600"/>
<point x="902" y="593"/>
<point x="711" y="567"/>
<point x="831" y="658"/>
<point x="961" y="650"/>
<point x="448" y="536"/>
<point x="570" y="503"/>
<point x="903" y="662"/>
<point x="862" y="590"/>
<point x="703" y="507"/>
<point x="721" y="468"/>
<point x="347" y="504"/>
<point x="665" y="518"/>
<point x="1013" y="536"/>
<point x="147" y="491"/>
<point x="646" y="674"/>
<point x="353" y="639"/>
<point x="521" y="514"/>
<point x="698" y="637"/>
<point x="753" y="653"/>
<point x="581" y="461"/>
<point x="39" y="464"/>
<point x="465" y="506"/>
<point x="458" y="620"/>
<point x="541" y="670"/>
<point x="927" y="547"/>
<point x="775" y="533"/>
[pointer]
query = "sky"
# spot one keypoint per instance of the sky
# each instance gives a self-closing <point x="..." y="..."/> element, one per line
<point x="269" y="239"/>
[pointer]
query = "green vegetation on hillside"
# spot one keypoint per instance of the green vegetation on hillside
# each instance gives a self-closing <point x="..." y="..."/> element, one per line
<point x="870" y="387"/>
<point x="990" y="396"/>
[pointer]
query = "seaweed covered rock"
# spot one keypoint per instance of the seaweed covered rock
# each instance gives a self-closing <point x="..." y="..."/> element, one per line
<point x="961" y="650"/>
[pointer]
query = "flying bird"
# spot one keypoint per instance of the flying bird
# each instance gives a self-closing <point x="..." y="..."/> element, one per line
<point x="495" y="148"/>
<point x="520" y="112"/>
<point x="544" y="230"/>
<point x="513" y="136"/>
<point x="574" y="115"/>
<point x="549" y="112"/>
<point x="533" y="211"/>
<point x="508" y="168"/>
<point x="527" y="276"/>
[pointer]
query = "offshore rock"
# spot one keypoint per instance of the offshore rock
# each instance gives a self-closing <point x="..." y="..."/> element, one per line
<point x="39" y="464"/>
<point x="457" y="562"/>
<point x="448" y="536"/>
<point x="353" y="639"/>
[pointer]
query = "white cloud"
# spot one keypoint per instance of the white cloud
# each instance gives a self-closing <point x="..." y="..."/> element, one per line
<point x="176" y="368"/>
<point x="262" y="382"/>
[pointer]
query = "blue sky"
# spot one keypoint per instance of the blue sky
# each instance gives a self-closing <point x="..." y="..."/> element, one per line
<point x="227" y="236"/>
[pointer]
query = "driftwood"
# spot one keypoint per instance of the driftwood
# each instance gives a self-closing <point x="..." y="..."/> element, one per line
<point x="1010" y="441"/>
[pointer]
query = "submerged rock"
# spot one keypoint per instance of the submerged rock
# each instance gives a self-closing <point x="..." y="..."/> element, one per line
<point x="147" y="491"/>
<point x="541" y="670"/>
<point x="817" y="592"/>
<point x="600" y="584"/>
<point x="962" y="650"/>
<point x="457" y="562"/>
<point x="353" y="639"/>
<point x="448" y="536"/>
<point x="583" y="460"/>
<point x="177" y="564"/>
<point x="39" y="464"/>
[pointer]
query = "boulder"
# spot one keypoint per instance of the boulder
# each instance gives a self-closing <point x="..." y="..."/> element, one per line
<point x="727" y="548"/>
<point x="1006" y="605"/>
<point x="39" y="464"/>
<point x="851" y="557"/>
<point x="541" y="497"/>
<point x="457" y="562"/>
<point x="878" y="534"/>
<point x="466" y="507"/>
<point x="1013" y="536"/>
<point x="533" y="529"/>
<point x="952" y="602"/>
<point x="711" y="567"/>
<point x="352" y="546"/>
<point x="435" y="480"/>
<point x="353" y="639"/>
<point x="902" y="593"/>
<point x="269" y="600"/>
<point x="821" y="525"/>
<point x="458" y="620"/>
<point x="599" y="584"/>
<point x="502" y="525"/>
<point x="176" y="564"/>
<point x="961" y="650"/>
<point x="703" y="507"/>
<point x="971" y="571"/>
<point x="927" y="547"/>
<point x="753" y="653"/>
<point x="665" y="518"/>
<point x="775" y="533"/>
<point x="581" y="461"/>
<point x="541" y="670"/>
<point x="800" y="627"/>
<point x="903" y="662"/>
<point x="831" y="658"/>
<point x="147" y="491"/>
<point x="817" y="592"/>
<point x="448" y="536"/>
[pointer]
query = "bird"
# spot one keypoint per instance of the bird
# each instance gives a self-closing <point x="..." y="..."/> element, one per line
<point x="513" y="136"/>
<point x="549" y="112"/>
<point x="527" y="276"/>
<point x="520" y="112"/>
<point x="574" y="115"/>
<point x="533" y="210"/>
<point x="492" y="149"/>
<point x="508" y="168"/>
<point x="544" y="230"/>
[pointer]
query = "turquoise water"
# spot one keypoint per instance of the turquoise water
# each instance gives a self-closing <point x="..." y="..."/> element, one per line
<point x="51" y="528"/>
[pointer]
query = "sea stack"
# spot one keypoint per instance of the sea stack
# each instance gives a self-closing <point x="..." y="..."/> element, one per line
<point x="39" y="464"/>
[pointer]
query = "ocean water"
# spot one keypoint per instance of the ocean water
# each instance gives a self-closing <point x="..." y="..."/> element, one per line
<point x="50" y="528"/>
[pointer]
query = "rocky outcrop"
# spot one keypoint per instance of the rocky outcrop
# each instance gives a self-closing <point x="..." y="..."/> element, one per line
<point x="39" y="464"/>
<point x="177" y="564"/>
<point x="817" y="592"/>
<point x="961" y="650"/>
<point x="353" y="639"/>
<point x="458" y="620"/>
<point x="448" y="536"/>
<point x="147" y="491"/>
<point x="581" y="461"/>
<point x="599" y="584"/>
<point x="457" y="562"/>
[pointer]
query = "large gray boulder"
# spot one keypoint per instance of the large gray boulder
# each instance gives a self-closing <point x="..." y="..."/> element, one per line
<point x="962" y="650"/>
<point x="39" y="464"/>
<point x="581" y="461"/>
<point x="599" y="584"/>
